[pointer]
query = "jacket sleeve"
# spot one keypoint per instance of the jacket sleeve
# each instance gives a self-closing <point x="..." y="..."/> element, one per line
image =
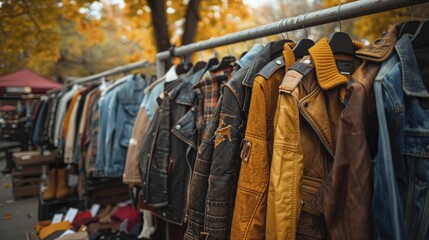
<point x="250" y="205"/>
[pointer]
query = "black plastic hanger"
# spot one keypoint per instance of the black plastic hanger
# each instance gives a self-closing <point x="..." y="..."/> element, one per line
<point x="277" y="48"/>
<point x="421" y="36"/>
<point x="301" y="48"/>
<point x="198" y="66"/>
<point x="212" y="62"/>
<point x="243" y="54"/>
<point x="225" y="63"/>
<point x="408" y="27"/>
<point x="341" y="42"/>
<point x="183" y="67"/>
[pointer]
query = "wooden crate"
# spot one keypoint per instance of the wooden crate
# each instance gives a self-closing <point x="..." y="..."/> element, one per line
<point x="106" y="191"/>
<point x="28" y="171"/>
<point x="34" y="158"/>
<point x="25" y="186"/>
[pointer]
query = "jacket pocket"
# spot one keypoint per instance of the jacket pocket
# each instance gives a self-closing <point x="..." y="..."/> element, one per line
<point x="126" y="135"/>
<point x="131" y="110"/>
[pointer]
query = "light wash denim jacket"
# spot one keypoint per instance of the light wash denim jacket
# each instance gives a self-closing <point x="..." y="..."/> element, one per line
<point x="117" y="115"/>
<point x="400" y="204"/>
<point x="122" y="115"/>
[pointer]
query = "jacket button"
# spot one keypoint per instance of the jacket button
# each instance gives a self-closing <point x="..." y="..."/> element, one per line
<point x="164" y="214"/>
<point x="178" y="127"/>
<point x="278" y="62"/>
<point x="305" y="104"/>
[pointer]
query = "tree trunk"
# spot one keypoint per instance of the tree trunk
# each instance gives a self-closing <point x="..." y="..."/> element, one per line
<point x="160" y="27"/>
<point x="192" y="17"/>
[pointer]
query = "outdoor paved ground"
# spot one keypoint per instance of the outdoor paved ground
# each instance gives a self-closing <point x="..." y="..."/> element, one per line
<point x="16" y="216"/>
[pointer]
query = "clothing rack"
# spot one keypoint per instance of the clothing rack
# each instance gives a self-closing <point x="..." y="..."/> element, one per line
<point x="309" y="19"/>
<point x="114" y="71"/>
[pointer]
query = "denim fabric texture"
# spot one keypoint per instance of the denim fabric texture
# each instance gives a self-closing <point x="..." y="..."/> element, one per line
<point x="103" y="105"/>
<point x="400" y="205"/>
<point x="123" y="111"/>
<point x="39" y="123"/>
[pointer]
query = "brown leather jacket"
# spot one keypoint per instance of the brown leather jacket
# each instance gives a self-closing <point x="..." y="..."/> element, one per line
<point x="314" y="120"/>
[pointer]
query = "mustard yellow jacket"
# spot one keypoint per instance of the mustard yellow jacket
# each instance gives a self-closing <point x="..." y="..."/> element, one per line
<point x="250" y="205"/>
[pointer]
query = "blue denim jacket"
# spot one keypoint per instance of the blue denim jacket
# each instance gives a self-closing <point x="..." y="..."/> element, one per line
<point x="100" y="160"/>
<point x="401" y="167"/>
<point x="122" y="110"/>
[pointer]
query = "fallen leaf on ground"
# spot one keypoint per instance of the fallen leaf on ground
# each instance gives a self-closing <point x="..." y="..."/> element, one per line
<point x="7" y="216"/>
<point x="6" y="185"/>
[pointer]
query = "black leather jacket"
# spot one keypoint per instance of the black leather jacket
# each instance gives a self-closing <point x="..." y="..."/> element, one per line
<point x="216" y="171"/>
<point x="170" y="149"/>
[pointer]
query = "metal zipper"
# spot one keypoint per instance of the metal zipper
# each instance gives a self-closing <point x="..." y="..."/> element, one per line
<point x="303" y="113"/>
<point x="188" y="187"/>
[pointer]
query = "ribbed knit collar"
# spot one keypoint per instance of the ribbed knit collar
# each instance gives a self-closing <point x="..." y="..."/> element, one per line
<point x="288" y="55"/>
<point x="327" y="72"/>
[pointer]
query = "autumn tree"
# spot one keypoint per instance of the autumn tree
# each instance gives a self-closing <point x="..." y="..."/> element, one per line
<point x="29" y="35"/>
<point x="371" y="26"/>
<point x="61" y="38"/>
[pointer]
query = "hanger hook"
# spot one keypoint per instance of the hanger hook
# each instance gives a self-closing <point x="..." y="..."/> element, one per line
<point x="338" y="16"/>
<point x="278" y="27"/>
<point x="280" y="30"/>
<point x="303" y="24"/>
<point x="200" y="54"/>
<point x="229" y="50"/>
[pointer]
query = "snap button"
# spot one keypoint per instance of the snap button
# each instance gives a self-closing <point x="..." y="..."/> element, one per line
<point x="153" y="134"/>
<point x="133" y="141"/>
<point x="278" y="62"/>
<point x="148" y="155"/>
<point x="178" y="127"/>
<point x="164" y="214"/>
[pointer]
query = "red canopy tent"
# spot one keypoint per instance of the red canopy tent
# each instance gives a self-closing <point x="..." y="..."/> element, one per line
<point x="7" y="108"/>
<point x="26" y="81"/>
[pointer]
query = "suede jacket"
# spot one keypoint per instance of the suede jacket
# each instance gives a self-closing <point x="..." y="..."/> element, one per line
<point x="251" y="200"/>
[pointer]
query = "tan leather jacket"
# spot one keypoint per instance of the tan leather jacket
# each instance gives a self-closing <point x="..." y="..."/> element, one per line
<point x="311" y="113"/>
<point x="250" y="205"/>
<point x="310" y="105"/>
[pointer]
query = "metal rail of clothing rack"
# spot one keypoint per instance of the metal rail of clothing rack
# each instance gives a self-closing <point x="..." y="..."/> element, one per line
<point x="114" y="71"/>
<point x="310" y="19"/>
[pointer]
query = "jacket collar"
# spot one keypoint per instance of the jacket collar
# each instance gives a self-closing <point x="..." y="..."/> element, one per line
<point x="327" y="72"/>
<point x="139" y="82"/>
<point x="250" y="55"/>
<point x="263" y="57"/>
<point x="412" y="80"/>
